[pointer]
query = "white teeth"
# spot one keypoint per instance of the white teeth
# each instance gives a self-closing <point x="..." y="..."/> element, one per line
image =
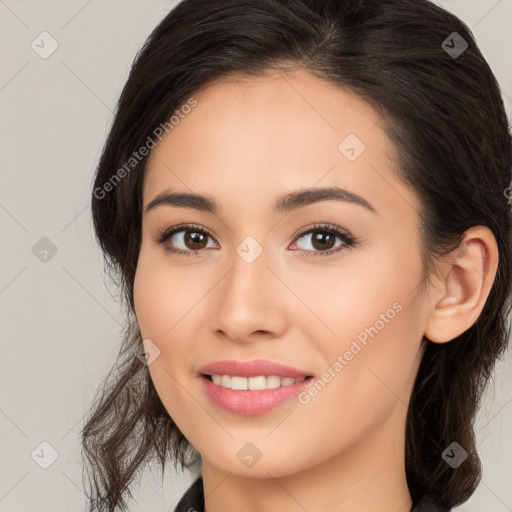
<point x="254" y="383"/>
<point x="238" y="382"/>
<point x="272" y="381"/>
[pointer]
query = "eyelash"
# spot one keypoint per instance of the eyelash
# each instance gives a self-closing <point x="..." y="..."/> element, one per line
<point x="347" y="239"/>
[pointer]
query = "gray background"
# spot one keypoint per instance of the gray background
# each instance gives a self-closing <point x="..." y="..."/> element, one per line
<point x="60" y="326"/>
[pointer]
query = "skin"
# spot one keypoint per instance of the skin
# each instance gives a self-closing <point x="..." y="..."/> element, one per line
<point x="247" y="142"/>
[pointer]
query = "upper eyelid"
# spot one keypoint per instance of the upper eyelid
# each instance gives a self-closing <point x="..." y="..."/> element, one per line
<point x="338" y="231"/>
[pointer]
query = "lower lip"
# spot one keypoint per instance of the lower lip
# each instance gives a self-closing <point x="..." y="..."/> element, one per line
<point x="250" y="403"/>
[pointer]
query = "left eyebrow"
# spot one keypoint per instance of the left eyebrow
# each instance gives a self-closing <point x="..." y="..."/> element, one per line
<point x="309" y="196"/>
<point x="285" y="203"/>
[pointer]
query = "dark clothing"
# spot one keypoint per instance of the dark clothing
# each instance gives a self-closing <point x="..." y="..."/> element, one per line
<point x="193" y="501"/>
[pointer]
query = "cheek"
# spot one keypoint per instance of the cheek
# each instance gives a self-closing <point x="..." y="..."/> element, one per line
<point x="159" y="294"/>
<point x="368" y="376"/>
<point x="159" y="309"/>
<point x="147" y="301"/>
<point x="374" y="351"/>
<point x="153" y="296"/>
<point x="165" y="303"/>
<point x="369" y="296"/>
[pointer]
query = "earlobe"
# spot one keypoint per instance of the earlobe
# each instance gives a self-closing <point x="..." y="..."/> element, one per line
<point x="467" y="278"/>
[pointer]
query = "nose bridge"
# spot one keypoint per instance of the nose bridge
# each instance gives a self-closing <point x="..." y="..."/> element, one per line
<point x="249" y="270"/>
<point x="248" y="297"/>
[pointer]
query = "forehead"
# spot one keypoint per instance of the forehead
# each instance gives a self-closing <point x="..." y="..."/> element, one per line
<point x="248" y="137"/>
<point x="296" y="102"/>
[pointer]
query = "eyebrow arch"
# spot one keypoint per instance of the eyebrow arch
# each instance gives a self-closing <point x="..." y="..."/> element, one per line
<point x="285" y="203"/>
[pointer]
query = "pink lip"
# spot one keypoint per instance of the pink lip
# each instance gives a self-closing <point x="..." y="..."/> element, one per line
<point x="250" y="403"/>
<point x="251" y="369"/>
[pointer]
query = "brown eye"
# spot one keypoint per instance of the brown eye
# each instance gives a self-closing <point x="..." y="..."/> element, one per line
<point x="194" y="240"/>
<point x="184" y="239"/>
<point x="320" y="240"/>
<point x="323" y="240"/>
<point x="190" y="239"/>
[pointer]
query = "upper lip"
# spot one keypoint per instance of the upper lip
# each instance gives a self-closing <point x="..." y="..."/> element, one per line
<point x="252" y="369"/>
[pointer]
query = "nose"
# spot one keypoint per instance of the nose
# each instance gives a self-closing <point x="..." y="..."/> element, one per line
<point x="250" y="302"/>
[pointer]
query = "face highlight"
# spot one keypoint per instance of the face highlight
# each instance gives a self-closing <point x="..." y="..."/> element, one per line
<point x="262" y="267"/>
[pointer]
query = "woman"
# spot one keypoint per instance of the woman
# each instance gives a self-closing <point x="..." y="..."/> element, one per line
<point x="250" y="138"/>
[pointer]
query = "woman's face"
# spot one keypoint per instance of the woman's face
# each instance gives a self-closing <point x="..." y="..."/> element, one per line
<point x="279" y="283"/>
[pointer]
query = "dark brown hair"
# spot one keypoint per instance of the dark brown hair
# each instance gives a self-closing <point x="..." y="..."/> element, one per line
<point x="446" y="118"/>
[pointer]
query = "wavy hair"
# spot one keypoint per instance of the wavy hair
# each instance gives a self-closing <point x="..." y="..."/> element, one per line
<point x="445" y="115"/>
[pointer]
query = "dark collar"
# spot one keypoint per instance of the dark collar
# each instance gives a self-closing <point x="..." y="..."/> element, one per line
<point x="193" y="501"/>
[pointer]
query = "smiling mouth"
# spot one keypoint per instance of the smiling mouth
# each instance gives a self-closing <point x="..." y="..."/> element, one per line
<point x="257" y="383"/>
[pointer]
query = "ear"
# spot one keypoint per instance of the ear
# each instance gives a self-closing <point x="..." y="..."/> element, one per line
<point x="465" y="281"/>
